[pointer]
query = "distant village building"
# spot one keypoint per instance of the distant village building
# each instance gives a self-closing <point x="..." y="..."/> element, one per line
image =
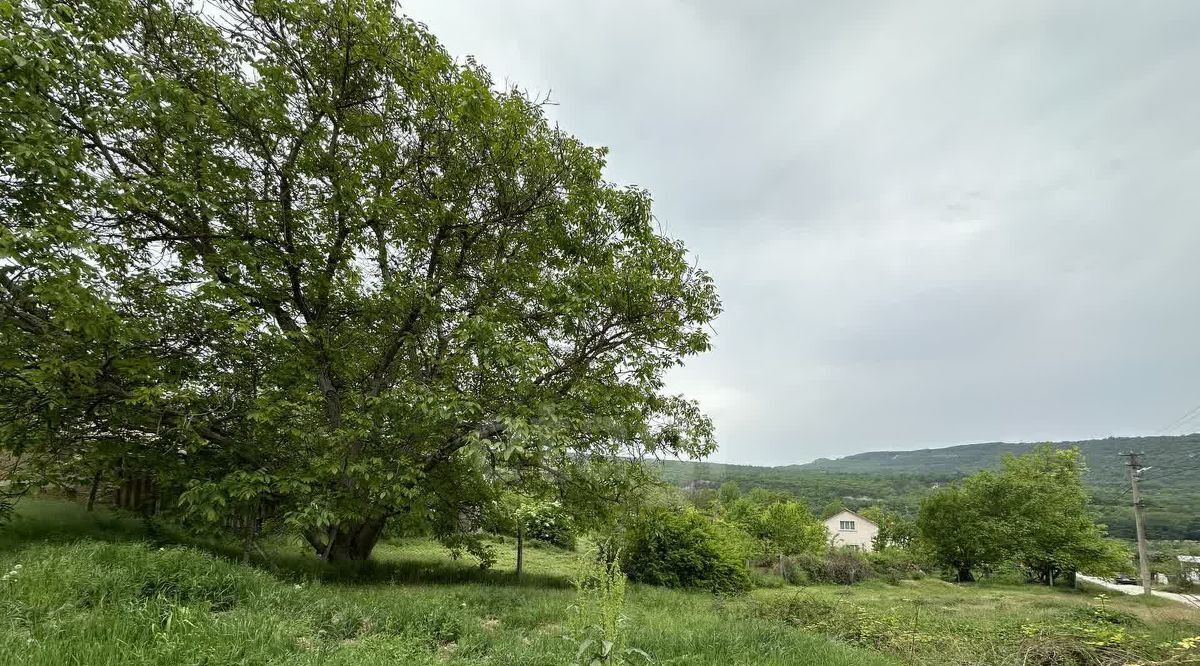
<point x="847" y="528"/>
<point x="1189" y="567"/>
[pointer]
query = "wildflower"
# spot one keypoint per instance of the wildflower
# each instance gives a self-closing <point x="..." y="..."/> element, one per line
<point x="298" y="586"/>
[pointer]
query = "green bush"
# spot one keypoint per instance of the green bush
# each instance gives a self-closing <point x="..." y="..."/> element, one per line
<point x="898" y="564"/>
<point x="841" y="566"/>
<point x="845" y="566"/>
<point x="549" y="523"/>
<point x="794" y="573"/>
<point x="843" y="620"/>
<point x="675" y="548"/>
<point x="804" y="569"/>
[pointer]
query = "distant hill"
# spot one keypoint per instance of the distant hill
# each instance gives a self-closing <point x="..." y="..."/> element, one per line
<point x="899" y="479"/>
<point x="1104" y="463"/>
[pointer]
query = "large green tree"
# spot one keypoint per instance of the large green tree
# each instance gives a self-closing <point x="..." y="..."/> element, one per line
<point x="1054" y="532"/>
<point x="956" y="524"/>
<point x="290" y="250"/>
<point x="1033" y="513"/>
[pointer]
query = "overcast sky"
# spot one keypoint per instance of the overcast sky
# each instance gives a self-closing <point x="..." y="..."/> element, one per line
<point x="931" y="223"/>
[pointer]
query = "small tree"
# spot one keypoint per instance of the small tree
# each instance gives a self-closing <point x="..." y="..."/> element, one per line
<point x="894" y="529"/>
<point x="788" y="528"/>
<point x="778" y="525"/>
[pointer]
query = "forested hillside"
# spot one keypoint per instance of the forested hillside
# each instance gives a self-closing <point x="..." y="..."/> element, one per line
<point x="899" y="479"/>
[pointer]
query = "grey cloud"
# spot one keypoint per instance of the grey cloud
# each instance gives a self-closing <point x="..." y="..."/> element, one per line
<point x="931" y="222"/>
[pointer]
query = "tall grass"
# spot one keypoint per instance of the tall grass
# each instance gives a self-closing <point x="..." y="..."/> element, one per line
<point x="106" y="589"/>
<point x="934" y="622"/>
<point x="96" y="589"/>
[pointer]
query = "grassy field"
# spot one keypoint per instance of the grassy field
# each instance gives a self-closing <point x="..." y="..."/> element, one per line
<point x="934" y="622"/>
<point x="92" y="590"/>
<point x="100" y="589"/>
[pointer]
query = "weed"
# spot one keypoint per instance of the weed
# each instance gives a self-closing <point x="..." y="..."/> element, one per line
<point x="598" y="621"/>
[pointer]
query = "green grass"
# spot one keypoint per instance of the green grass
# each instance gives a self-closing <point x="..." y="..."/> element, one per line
<point x="105" y="589"/>
<point x="100" y="589"/>
<point x="934" y="622"/>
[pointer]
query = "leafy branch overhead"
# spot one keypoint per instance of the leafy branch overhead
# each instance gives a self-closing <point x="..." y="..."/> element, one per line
<point x="297" y="239"/>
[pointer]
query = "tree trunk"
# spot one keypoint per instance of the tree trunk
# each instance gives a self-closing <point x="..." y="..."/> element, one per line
<point x="520" y="548"/>
<point x="249" y="536"/>
<point x="95" y="488"/>
<point x="964" y="575"/>
<point x="352" y="542"/>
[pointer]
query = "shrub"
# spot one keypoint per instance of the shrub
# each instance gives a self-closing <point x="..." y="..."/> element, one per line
<point x="681" y="549"/>
<point x="1182" y="586"/>
<point x="842" y="566"/>
<point x="898" y="564"/>
<point x="1102" y="613"/>
<point x="805" y="569"/>
<point x="549" y="523"/>
<point x="795" y="574"/>
<point x="732" y="542"/>
<point x="845" y="566"/>
<point x="844" y="620"/>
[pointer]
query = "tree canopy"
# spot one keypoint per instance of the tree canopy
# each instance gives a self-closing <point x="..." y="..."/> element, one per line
<point x="894" y="529"/>
<point x="1033" y="513"/>
<point x="290" y="250"/>
<point x="777" y="524"/>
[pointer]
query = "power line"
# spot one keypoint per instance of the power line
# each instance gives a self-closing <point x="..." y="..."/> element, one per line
<point x="1187" y="424"/>
<point x="1174" y="473"/>
<point x="1191" y="413"/>
<point x="1170" y="475"/>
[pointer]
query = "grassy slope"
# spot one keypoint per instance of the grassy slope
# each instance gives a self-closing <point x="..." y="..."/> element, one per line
<point x="92" y="590"/>
<point x="934" y="622"/>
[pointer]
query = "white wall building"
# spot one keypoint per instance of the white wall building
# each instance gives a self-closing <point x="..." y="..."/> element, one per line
<point x="1189" y="567"/>
<point x="850" y="529"/>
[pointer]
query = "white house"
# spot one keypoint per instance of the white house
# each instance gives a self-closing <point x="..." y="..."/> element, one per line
<point x="847" y="528"/>
<point x="1189" y="567"/>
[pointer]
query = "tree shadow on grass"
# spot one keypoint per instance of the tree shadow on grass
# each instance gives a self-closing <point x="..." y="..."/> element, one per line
<point x="43" y="520"/>
<point x="407" y="571"/>
<point x="52" y="520"/>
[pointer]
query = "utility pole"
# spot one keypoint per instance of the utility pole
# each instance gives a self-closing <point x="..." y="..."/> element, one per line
<point x="1139" y="517"/>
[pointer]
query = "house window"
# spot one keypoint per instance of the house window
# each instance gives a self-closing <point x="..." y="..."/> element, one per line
<point x="846" y="526"/>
